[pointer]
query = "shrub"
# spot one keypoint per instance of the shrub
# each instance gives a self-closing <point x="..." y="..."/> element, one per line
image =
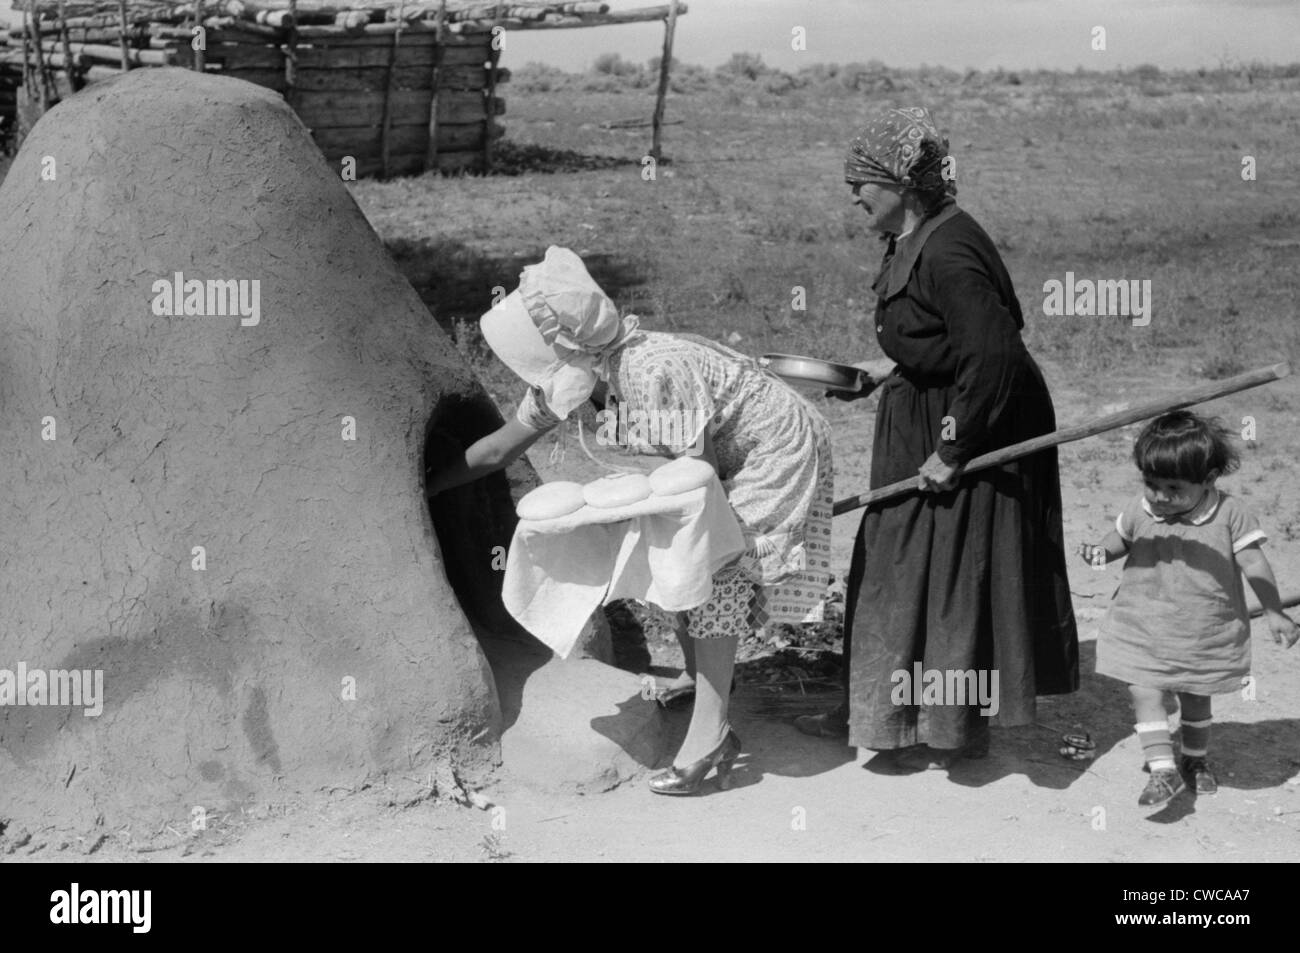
<point x="611" y="64"/>
<point x="540" y="78"/>
<point x="748" y="65"/>
<point x="779" y="82"/>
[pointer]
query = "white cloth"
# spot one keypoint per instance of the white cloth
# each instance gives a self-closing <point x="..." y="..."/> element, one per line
<point x="663" y="550"/>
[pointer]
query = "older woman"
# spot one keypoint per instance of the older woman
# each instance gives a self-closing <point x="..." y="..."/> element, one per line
<point x="965" y="579"/>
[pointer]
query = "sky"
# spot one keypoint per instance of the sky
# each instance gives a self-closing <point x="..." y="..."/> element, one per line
<point x="959" y="34"/>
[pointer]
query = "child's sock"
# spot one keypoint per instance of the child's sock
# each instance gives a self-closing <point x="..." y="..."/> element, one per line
<point x="1157" y="746"/>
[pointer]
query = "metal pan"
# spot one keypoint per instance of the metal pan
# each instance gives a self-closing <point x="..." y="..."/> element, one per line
<point x="814" y="372"/>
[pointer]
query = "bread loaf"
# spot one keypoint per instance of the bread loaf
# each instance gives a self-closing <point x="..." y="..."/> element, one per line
<point x="680" y="476"/>
<point x="618" y="489"/>
<point x="551" y="500"/>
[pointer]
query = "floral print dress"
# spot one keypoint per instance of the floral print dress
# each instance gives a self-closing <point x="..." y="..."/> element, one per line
<point x="774" y="459"/>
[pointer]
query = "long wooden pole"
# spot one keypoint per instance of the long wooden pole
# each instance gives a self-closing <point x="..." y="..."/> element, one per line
<point x="43" y="76"/>
<point x="291" y="58"/>
<point x="200" y="56"/>
<point x="121" y="18"/>
<point x="28" y="75"/>
<point x="665" y="64"/>
<point x="431" y="150"/>
<point x="390" y="81"/>
<point x="490" y="103"/>
<point x="74" y="80"/>
<point x="1197" y="395"/>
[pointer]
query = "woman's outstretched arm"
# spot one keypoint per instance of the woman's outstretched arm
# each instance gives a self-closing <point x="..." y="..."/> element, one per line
<point x="486" y="455"/>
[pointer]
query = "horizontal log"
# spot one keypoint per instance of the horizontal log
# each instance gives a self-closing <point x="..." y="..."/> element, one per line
<point x="333" y="57"/>
<point x="107" y="35"/>
<point x="48" y="10"/>
<point x="373" y="79"/>
<point x="113" y="54"/>
<point x="383" y="32"/>
<point x="470" y="77"/>
<point x="231" y="55"/>
<point x="429" y="9"/>
<point x="245" y="56"/>
<point x="14" y="60"/>
<point x="14" y="36"/>
<point x="222" y="29"/>
<point x="409" y="107"/>
<point x="410" y="77"/>
<point x="103" y="53"/>
<point x="366" y="140"/>
<point x="471" y="27"/>
<point x="312" y="105"/>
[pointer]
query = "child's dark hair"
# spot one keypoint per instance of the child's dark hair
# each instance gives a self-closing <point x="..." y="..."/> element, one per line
<point x="1181" y="445"/>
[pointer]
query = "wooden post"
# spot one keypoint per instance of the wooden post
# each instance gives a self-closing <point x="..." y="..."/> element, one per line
<point x="387" y="121"/>
<point x="291" y="58"/>
<point x="200" y="56"/>
<point x="121" y="18"/>
<point x="74" y="78"/>
<point x="29" y="75"/>
<point x="665" y="64"/>
<point x="42" y="74"/>
<point x="490" y="101"/>
<point x="431" y="150"/>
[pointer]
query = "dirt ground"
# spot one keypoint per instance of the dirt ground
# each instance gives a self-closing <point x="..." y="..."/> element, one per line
<point x="1097" y="182"/>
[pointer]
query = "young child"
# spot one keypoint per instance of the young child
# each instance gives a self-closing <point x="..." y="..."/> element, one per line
<point x="1178" y="623"/>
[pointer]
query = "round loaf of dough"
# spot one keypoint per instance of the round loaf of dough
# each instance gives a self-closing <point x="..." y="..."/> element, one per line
<point x="617" y="489"/>
<point x="680" y="476"/>
<point x="551" y="501"/>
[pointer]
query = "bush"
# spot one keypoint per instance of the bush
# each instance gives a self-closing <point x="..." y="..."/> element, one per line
<point x="779" y="82"/>
<point x="611" y="64"/>
<point x="688" y="78"/>
<point x="748" y="65"/>
<point x="540" y="78"/>
<point x="674" y="65"/>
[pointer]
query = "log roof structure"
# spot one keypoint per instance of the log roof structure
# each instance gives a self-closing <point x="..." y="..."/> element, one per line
<point x="396" y="86"/>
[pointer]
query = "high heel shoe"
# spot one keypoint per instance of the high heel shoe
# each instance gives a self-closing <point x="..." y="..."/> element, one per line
<point x="688" y="780"/>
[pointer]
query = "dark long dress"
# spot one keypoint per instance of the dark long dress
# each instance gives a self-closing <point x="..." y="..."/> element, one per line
<point x="972" y="579"/>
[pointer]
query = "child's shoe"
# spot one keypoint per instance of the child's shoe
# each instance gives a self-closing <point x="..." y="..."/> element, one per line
<point x="1162" y="786"/>
<point x="1199" y="773"/>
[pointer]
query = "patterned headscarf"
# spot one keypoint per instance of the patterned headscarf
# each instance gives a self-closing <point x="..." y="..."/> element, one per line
<point x="901" y="146"/>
